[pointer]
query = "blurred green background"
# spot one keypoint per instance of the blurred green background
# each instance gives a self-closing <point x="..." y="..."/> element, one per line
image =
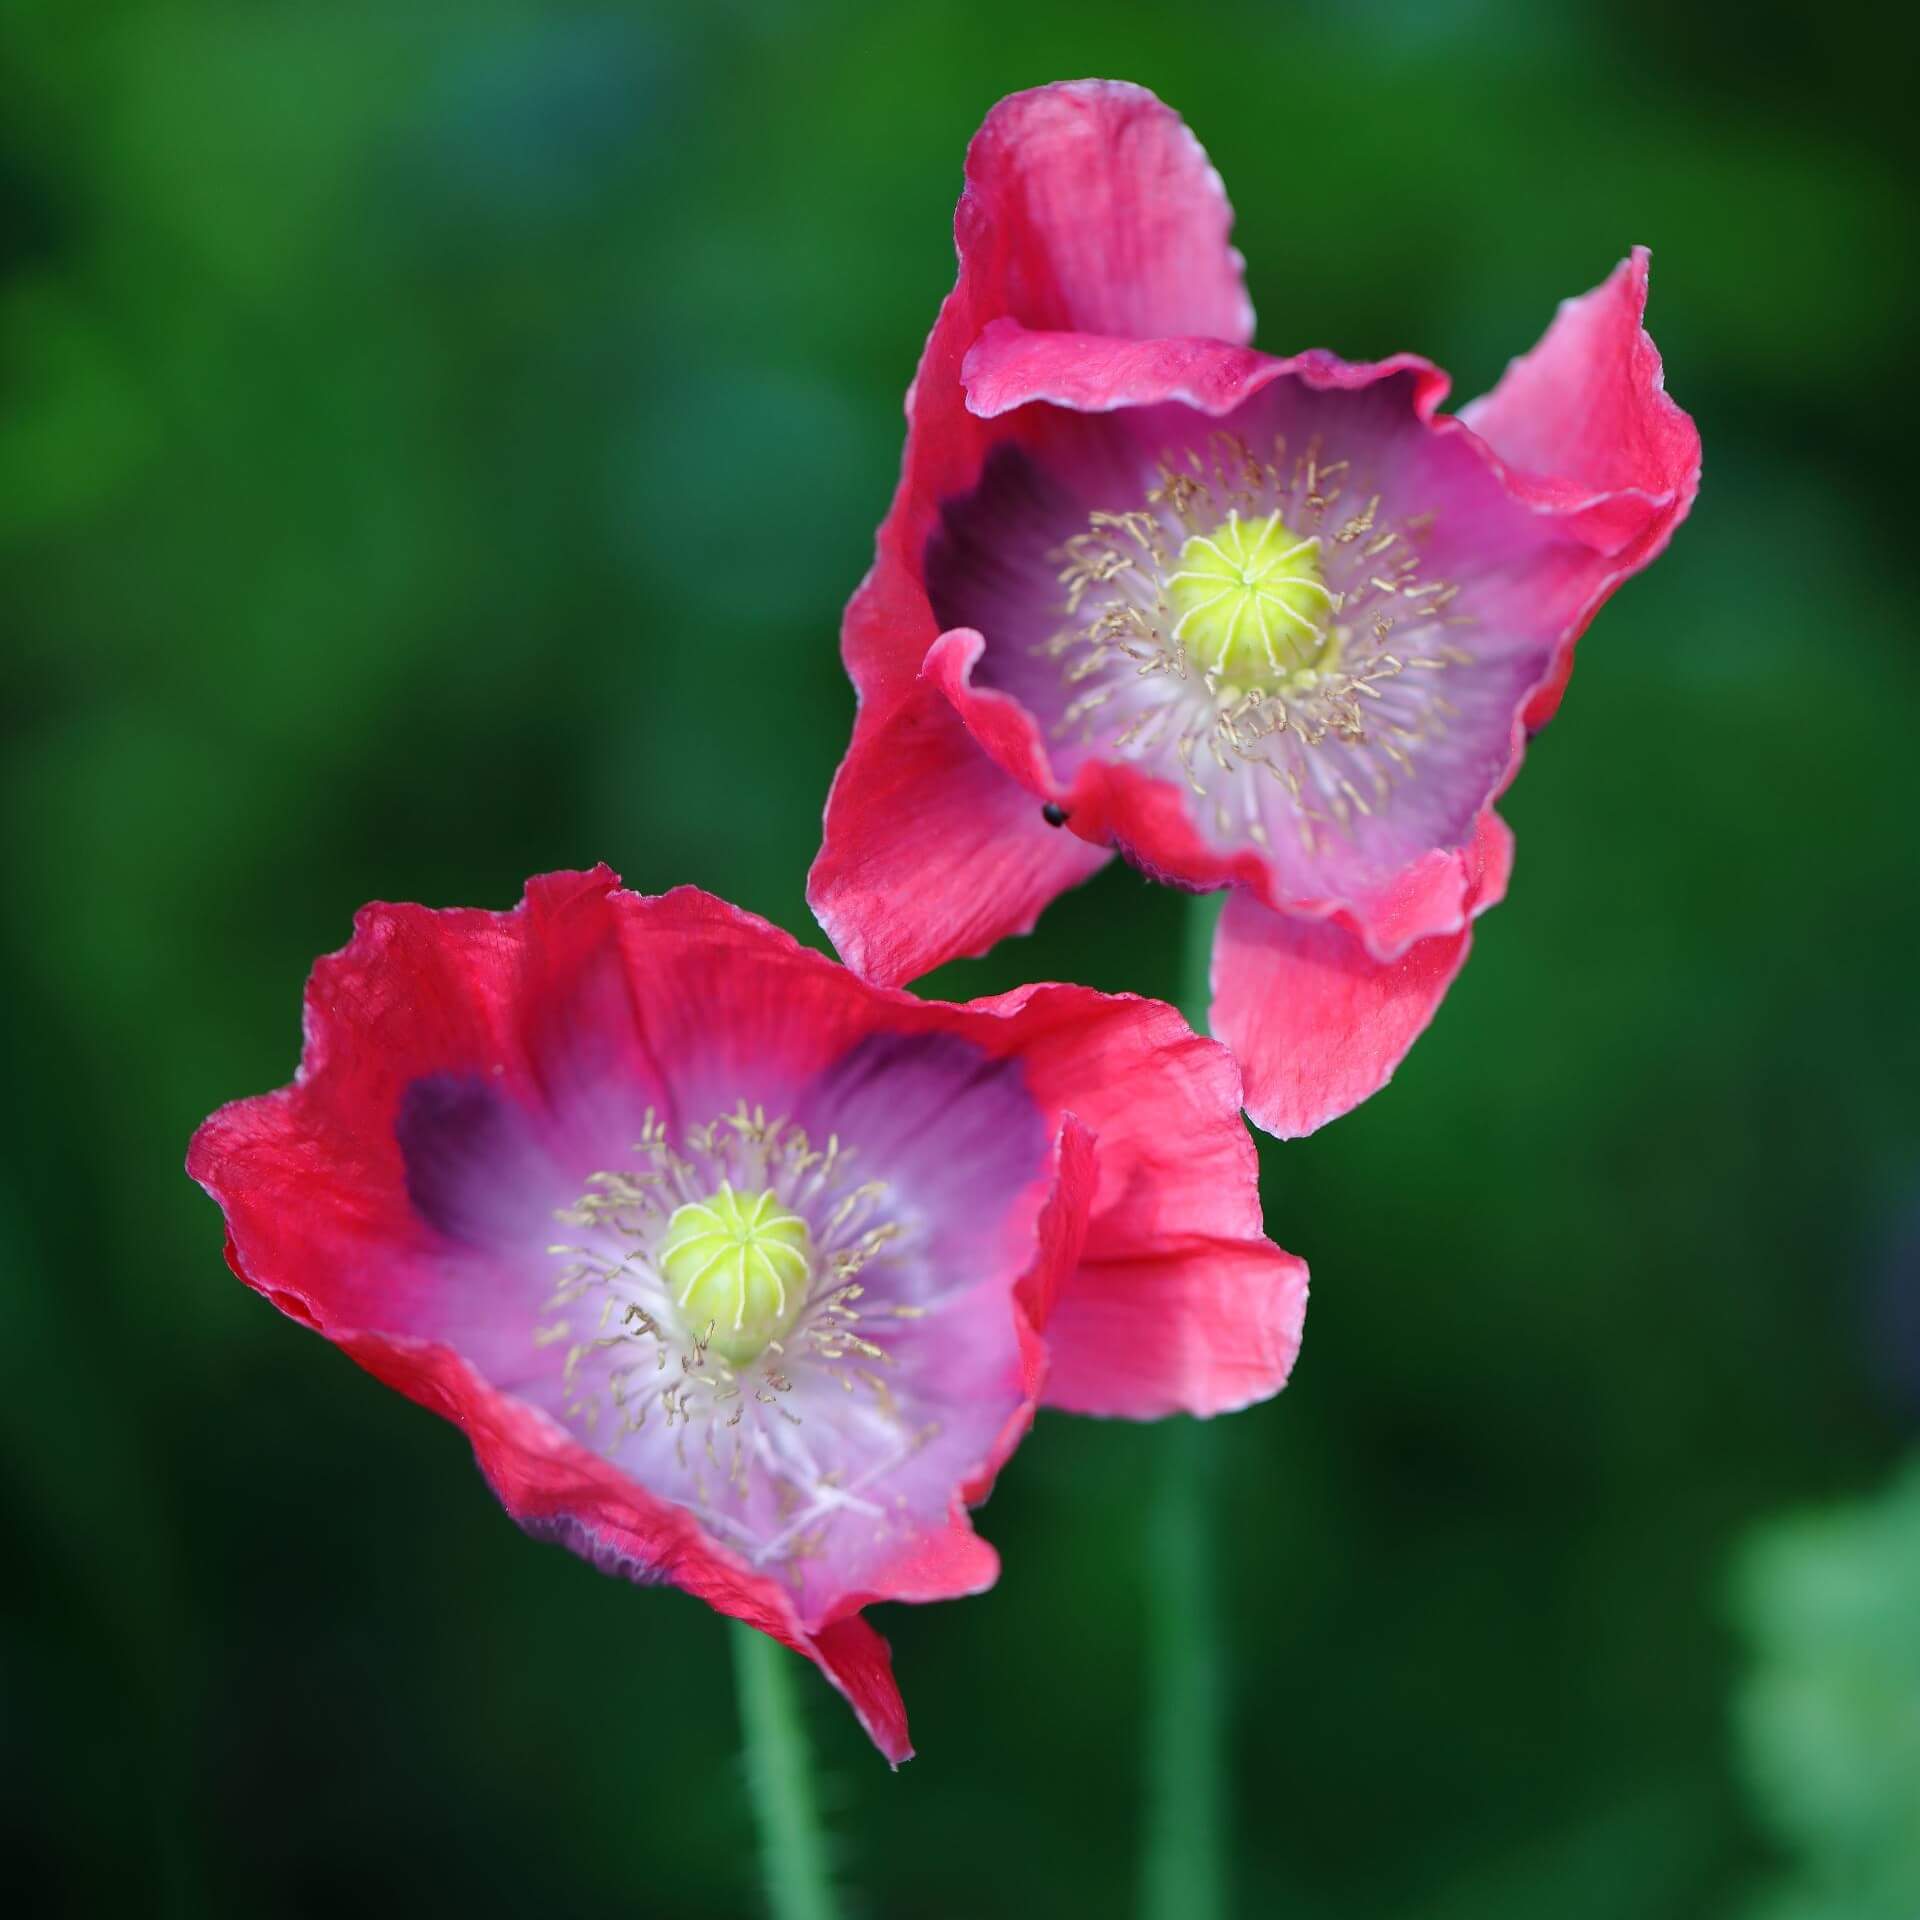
<point x="381" y="380"/>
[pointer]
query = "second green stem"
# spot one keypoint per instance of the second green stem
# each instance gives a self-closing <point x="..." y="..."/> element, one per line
<point x="793" y="1855"/>
<point x="1184" y="1869"/>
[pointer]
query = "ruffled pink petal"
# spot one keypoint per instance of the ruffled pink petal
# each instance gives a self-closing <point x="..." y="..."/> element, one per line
<point x="1012" y="366"/>
<point x="1178" y="1302"/>
<point x="1108" y="804"/>
<point x="1196" y="1326"/>
<point x="544" y="1013"/>
<point x="1086" y="205"/>
<point x="1316" y="1022"/>
<point x="532" y="1003"/>
<point x="1089" y="205"/>
<point x="930" y="852"/>
<point x="856" y="1658"/>
<point x="1589" y="435"/>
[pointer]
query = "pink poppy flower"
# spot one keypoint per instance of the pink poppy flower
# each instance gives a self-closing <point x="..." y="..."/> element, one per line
<point x="1278" y="625"/>
<point x="742" y="1274"/>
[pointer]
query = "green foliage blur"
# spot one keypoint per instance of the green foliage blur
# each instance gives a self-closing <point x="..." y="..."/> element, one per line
<point x="1830" y="1711"/>
<point x="436" y="440"/>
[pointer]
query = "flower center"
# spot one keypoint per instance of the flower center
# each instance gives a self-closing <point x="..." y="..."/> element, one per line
<point x="739" y="1264"/>
<point x="1249" y="604"/>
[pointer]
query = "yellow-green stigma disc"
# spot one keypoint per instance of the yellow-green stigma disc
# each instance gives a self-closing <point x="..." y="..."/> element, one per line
<point x="1249" y="604"/>
<point x="740" y="1264"/>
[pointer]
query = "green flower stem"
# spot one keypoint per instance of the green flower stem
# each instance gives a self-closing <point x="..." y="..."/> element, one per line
<point x="1196" y="956"/>
<point x="793" y="1854"/>
<point x="1184" y="1868"/>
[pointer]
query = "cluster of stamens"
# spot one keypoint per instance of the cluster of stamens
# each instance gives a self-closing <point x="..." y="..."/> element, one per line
<point x="1259" y="619"/>
<point x="713" y="1285"/>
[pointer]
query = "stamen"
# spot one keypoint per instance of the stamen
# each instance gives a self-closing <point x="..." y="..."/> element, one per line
<point x="724" y="1272"/>
<point x="1230" y="629"/>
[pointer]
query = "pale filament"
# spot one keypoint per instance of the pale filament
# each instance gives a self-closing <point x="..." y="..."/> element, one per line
<point x="1326" y="699"/>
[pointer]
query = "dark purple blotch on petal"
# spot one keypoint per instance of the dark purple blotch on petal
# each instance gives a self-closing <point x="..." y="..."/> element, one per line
<point x="473" y="1170"/>
<point x="990" y="566"/>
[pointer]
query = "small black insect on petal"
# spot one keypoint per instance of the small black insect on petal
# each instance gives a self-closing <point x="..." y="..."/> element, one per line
<point x="1054" y="814"/>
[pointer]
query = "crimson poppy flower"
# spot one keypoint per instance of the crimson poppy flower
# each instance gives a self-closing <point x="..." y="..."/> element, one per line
<point x="742" y="1274"/>
<point x="1278" y="625"/>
